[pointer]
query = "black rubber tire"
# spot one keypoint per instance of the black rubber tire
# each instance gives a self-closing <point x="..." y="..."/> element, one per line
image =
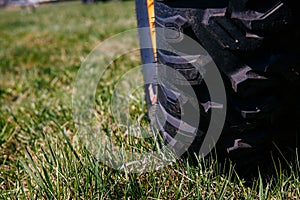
<point x="255" y="45"/>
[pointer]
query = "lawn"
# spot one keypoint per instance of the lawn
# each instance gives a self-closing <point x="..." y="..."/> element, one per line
<point x="40" y="154"/>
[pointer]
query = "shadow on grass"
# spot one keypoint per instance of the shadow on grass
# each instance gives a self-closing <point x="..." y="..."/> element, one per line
<point x="266" y="163"/>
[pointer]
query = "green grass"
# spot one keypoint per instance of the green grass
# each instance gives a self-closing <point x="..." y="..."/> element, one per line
<point x="40" y="157"/>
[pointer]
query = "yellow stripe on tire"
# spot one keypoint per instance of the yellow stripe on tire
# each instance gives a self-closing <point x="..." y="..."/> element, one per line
<point x="151" y="16"/>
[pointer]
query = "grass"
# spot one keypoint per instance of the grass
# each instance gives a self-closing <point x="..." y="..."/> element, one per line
<point x="40" y="157"/>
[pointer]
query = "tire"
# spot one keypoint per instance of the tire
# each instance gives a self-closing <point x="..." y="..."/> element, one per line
<point x="255" y="46"/>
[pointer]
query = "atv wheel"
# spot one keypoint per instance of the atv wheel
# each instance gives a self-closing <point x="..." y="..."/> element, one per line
<point x="255" y="46"/>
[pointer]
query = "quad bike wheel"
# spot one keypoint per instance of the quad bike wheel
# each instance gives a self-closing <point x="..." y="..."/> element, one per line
<point x="255" y="45"/>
